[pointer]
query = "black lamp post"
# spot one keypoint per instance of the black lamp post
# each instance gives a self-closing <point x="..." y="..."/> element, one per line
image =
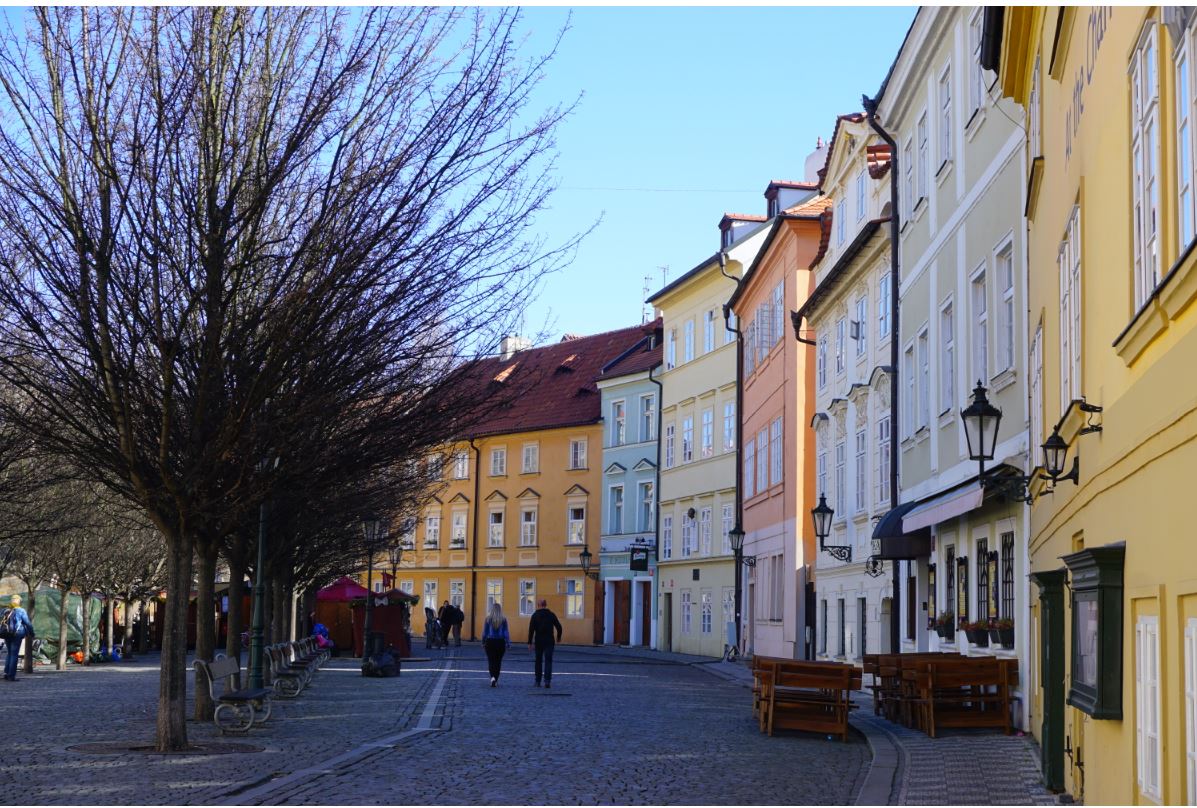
<point x="586" y="557"/>
<point x="981" y="420"/>
<point x="736" y="537"/>
<point x="1055" y="454"/>
<point x="371" y="531"/>
<point x="258" y="627"/>
<point x="821" y="514"/>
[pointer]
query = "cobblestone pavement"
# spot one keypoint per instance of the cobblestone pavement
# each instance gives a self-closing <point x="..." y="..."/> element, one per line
<point x="624" y="729"/>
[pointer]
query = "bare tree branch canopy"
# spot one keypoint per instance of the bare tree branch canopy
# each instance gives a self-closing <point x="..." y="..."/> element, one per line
<point x="227" y="234"/>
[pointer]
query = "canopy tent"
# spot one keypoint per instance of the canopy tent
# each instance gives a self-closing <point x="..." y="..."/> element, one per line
<point x="342" y="591"/>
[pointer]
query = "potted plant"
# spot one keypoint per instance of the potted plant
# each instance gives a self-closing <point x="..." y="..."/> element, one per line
<point x="977" y="632"/>
<point x="1001" y="631"/>
<point x="945" y="626"/>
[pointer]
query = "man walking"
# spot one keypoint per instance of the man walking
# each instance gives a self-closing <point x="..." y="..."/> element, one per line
<point x="540" y="639"/>
<point x="458" y="620"/>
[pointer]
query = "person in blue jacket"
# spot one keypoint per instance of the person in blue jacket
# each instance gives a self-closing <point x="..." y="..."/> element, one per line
<point x="496" y="639"/>
<point x="17" y="628"/>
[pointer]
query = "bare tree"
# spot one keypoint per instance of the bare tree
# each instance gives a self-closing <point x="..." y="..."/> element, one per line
<point x="224" y="232"/>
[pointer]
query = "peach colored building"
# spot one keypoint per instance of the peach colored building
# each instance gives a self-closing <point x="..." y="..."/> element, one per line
<point x="777" y="452"/>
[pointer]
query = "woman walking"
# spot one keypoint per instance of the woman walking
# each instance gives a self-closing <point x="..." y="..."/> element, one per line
<point x="496" y="639"/>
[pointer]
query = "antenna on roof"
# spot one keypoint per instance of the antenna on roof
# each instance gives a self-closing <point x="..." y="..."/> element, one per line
<point x="645" y="308"/>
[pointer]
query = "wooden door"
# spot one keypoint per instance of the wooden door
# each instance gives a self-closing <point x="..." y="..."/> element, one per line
<point x="622" y="592"/>
<point x="666" y="634"/>
<point x="646" y="617"/>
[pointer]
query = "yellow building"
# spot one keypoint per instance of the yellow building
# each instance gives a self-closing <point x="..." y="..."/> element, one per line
<point x="521" y="499"/>
<point x="1113" y="346"/>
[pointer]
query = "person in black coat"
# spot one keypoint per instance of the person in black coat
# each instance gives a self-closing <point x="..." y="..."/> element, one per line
<point x="540" y="638"/>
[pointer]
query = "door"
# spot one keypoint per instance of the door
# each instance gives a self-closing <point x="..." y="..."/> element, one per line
<point x="622" y="592"/>
<point x="884" y="634"/>
<point x="1051" y="667"/>
<point x="666" y="621"/>
<point x="646" y="617"/>
<point x="598" y="612"/>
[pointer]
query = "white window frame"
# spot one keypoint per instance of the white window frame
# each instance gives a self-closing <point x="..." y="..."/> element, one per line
<point x="1145" y="162"/>
<point x="494" y="537"/>
<point x="619" y="422"/>
<point x="883" y="449"/>
<point x="530" y="461"/>
<point x="945" y="115"/>
<point x="861" y="197"/>
<point x="708" y="432"/>
<point x="687" y="535"/>
<point x="1149" y="739"/>
<point x="575" y="598"/>
<point x="670" y="430"/>
<point x="862" y="468"/>
<point x="1036" y="385"/>
<point x="648" y="417"/>
<point x="688" y="439"/>
<point x="821" y="474"/>
<point x="924" y="359"/>
<point x="671" y="349"/>
<point x="461" y="465"/>
<point x="749" y="468"/>
<point x="430" y="601"/>
<point x="708" y="331"/>
<point x="456" y="592"/>
<point x="841" y="222"/>
<point x="494" y="592"/>
<point x="862" y="325"/>
<point x="1190" y="708"/>
<point x="1186" y="153"/>
<point x="840" y="364"/>
<point x="688" y="341"/>
<point x="908" y="180"/>
<point x="779" y="312"/>
<point x="841" y="479"/>
<point x="976" y="80"/>
<point x="776" y="452"/>
<point x="729" y="516"/>
<point x="575" y="526"/>
<point x="947" y="356"/>
<point x="498" y="461"/>
<point x="762" y="459"/>
<point x="687" y="616"/>
<point x="615" y="524"/>
<point x="978" y="297"/>
<point x="648" y="503"/>
<point x="729" y="426"/>
<point x="459" y="529"/>
<point x="705" y="528"/>
<point x="528" y="537"/>
<point x="527" y="596"/>
<point x="883" y="306"/>
<point x="666" y="536"/>
<point x="1069" y="265"/>
<point x="908" y="400"/>
<point x="577" y="453"/>
<point x="821" y="362"/>
<point x="1003" y="267"/>
<point x="924" y="157"/>
<point x="1035" y="103"/>
<point x="706" y="612"/>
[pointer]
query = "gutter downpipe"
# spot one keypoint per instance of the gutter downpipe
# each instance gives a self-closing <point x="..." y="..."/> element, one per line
<point x="739" y="572"/>
<point x="895" y="226"/>
<point x="657" y="507"/>
<point x="474" y="563"/>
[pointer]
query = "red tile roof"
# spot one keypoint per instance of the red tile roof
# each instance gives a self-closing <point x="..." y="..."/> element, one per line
<point x="811" y="207"/>
<point x="824" y="236"/>
<point x="806" y="186"/>
<point x="879" y="159"/>
<point x="742" y="217"/>
<point x="551" y="386"/>
<point x="642" y="356"/>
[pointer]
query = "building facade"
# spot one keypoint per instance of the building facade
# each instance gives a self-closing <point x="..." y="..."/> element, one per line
<point x="1110" y="103"/>
<point x="631" y="456"/>
<point x="776" y="459"/>
<point x="848" y="318"/>
<point x="961" y="323"/>
<point x="522" y="498"/>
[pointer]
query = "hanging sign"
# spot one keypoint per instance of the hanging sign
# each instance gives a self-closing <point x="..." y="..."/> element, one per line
<point x="639" y="560"/>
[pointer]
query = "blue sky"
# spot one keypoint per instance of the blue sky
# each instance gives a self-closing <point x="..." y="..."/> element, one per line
<point x="701" y="105"/>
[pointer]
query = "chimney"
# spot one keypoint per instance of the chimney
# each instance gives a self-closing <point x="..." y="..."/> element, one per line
<point x="512" y="343"/>
<point x="815" y="161"/>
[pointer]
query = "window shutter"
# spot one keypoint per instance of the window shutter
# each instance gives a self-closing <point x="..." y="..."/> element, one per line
<point x="1191" y="707"/>
<point x="1147" y="691"/>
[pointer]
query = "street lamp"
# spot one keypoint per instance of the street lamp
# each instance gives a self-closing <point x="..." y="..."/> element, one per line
<point x="585" y="557"/>
<point x="396" y="554"/>
<point x="981" y="420"/>
<point x="257" y="639"/>
<point x="821" y="515"/>
<point x="736" y="537"/>
<point x="1055" y="452"/>
<point x="371" y="532"/>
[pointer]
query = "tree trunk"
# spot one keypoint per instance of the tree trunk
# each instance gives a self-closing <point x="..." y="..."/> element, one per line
<point x="278" y="610"/>
<point x="236" y="619"/>
<point x="85" y="600"/>
<point x="32" y="601"/>
<point x="172" y="679"/>
<point x="109" y="621"/>
<point x="60" y="662"/>
<point x="308" y="606"/>
<point x="205" y="623"/>
<point x="143" y="626"/>
<point x="127" y="639"/>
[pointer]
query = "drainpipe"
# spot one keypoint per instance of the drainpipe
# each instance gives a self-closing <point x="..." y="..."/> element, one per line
<point x="474" y="551"/>
<point x="895" y="226"/>
<point x="657" y="489"/>
<point x="739" y="572"/>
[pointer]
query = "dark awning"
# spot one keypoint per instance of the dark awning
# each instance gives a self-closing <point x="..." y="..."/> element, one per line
<point x="891" y="543"/>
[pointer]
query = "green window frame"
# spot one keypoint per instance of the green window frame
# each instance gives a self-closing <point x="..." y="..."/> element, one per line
<point x="1095" y="685"/>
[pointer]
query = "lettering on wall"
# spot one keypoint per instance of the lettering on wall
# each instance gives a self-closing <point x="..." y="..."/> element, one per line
<point x="1095" y="32"/>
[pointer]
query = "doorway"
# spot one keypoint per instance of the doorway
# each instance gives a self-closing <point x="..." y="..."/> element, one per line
<point x="622" y="592"/>
<point x="884" y="636"/>
<point x="1051" y="665"/>
<point x="667" y="621"/>
<point x="646" y="617"/>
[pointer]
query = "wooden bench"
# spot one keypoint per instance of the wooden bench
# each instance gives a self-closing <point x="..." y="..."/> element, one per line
<point x="815" y="697"/>
<point x="964" y="692"/>
<point x="236" y="710"/>
<point x="289" y="679"/>
<point x="764" y="669"/>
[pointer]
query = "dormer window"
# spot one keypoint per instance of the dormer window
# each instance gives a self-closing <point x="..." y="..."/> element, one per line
<point x="774" y="206"/>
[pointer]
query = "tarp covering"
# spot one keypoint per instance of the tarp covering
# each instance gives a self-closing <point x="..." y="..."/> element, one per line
<point x="44" y="613"/>
<point x="344" y="590"/>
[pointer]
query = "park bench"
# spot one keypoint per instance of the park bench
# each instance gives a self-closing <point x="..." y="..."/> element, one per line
<point x="289" y="679"/>
<point x="811" y="696"/>
<point x="963" y="692"/>
<point x="236" y="710"/>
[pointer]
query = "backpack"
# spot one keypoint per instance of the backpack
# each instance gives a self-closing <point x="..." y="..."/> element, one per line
<point x="8" y="623"/>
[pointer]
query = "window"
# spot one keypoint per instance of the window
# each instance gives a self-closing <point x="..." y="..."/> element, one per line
<point x="843" y="629"/>
<point x="528" y="527"/>
<point x="708" y="332"/>
<point x="619" y="423"/>
<point x="1191" y="708"/>
<point x="1004" y="267"/>
<point x="704" y="532"/>
<point x="494" y="592"/>
<point x="687" y="535"/>
<point x="924" y="379"/>
<point x="779" y="312"/>
<point x="982" y="563"/>
<point x="883" y="438"/>
<point x="686" y="616"/>
<point x="777" y="453"/>
<point x="1035" y="101"/>
<point x="531" y="463"/>
<point x="1145" y="159"/>
<point x="862" y="325"/>
<point x="708" y="432"/>
<point x="408" y="585"/>
<point x="671" y="349"/>
<point x="458" y="538"/>
<point x="1036" y="382"/>
<point x="1008" y="575"/>
<point x="729" y="335"/>
<point x="666" y="536"/>
<point x="432" y="531"/>
<point x="495" y="533"/>
<point x="687" y="439"/>
<point x="950" y="589"/>
<point x="435" y="467"/>
<point x="976" y="82"/>
<point x="749" y="467"/>
<point x="839" y="346"/>
<point x="573" y="598"/>
<point x="908" y="391"/>
<point x="821" y="473"/>
<point x="932" y="593"/>
<point x="1070" y="311"/>
<point x="840" y="483"/>
<point x="616" y="524"/>
<point x="945" y="115"/>
<point x="430" y="601"/>
<point x="947" y="358"/>
<point x="861" y="204"/>
<point x="823" y="628"/>
<point x="728" y="523"/>
<point x="688" y="342"/>
<point x="980" y="327"/>
<point x="705" y="620"/>
<point x="577" y="453"/>
<point x="527" y="596"/>
<point x="729" y="426"/>
<point x="648" y="418"/>
<point x="821" y="362"/>
<point x="908" y="180"/>
<point x="647" y="506"/>
<point x="669" y="430"/>
<point x="883" y="304"/>
<point x="924" y="157"/>
<point x="461" y="466"/>
<point x="729" y="611"/>
<point x="576" y="532"/>
<point x="498" y="462"/>
<point x="1148" y="738"/>
<point x="1184" y="140"/>
<point x="750" y="348"/>
<point x="762" y="460"/>
<point x="841" y="219"/>
<point x="862" y="485"/>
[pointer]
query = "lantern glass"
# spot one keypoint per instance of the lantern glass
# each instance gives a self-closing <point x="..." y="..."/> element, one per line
<point x="981" y="420"/>
<point x="821" y="514"/>
<point x="736" y="537"/>
<point x="370" y="529"/>
<point x="1055" y="451"/>
<point x="585" y="557"/>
